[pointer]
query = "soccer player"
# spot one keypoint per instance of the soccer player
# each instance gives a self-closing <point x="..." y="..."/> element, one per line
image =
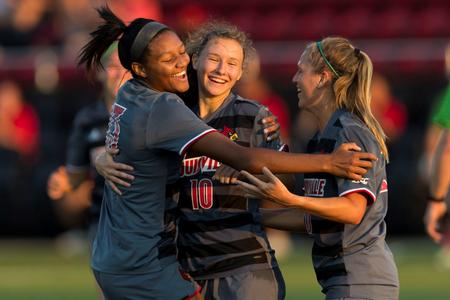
<point x="345" y="217"/>
<point x="78" y="181"/>
<point x="221" y="242"/>
<point x="153" y="130"/>
<point x="440" y="172"/>
<point x="440" y="167"/>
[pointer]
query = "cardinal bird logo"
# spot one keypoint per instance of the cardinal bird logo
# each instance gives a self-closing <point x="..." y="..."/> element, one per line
<point x="230" y="133"/>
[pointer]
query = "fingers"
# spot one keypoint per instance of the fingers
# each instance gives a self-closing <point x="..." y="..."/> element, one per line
<point x="433" y="233"/>
<point x="116" y="176"/>
<point x="114" y="171"/>
<point x="272" y="132"/>
<point x="271" y="119"/>
<point x="354" y="176"/>
<point x="225" y="174"/>
<point x="367" y="156"/>
<point x="364" y="164"/>
<point x="271" y="128"/>
<point x="224" y="180"/>
<point x="252" y="178"/>
<point x="249" y="189"/>
<point x="119" y="166"/>
<point x="112" y="151"/>
<point x="358" y="170"/>
<point x="269" y="174"/>
<point x="113" y="187"/>
<point x="350" y="147"/>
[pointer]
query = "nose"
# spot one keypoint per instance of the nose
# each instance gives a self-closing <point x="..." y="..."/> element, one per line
<point x="220" y="69"/>
<point x="183" y="61"/>
<point x="294" y="79"/>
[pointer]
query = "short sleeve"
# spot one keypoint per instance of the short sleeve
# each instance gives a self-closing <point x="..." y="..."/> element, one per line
<point x="257" y="138"/>
<point x="372" y="180"/>
<point x="173" y="126"/>
<point x="77" y="157"/>
<point x="442" y="114"/>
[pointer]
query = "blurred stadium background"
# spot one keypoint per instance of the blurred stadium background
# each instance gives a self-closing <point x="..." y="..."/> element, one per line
<point x="42" y="257"/>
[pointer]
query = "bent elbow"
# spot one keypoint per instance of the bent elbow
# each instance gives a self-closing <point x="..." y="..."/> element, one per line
<point x="356" y="219"/>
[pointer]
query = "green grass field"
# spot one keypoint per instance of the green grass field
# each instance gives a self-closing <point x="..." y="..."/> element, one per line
<point x="37" y="270"/>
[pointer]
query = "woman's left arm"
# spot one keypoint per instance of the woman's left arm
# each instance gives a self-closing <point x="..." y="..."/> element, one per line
<point x="348" y="209"/>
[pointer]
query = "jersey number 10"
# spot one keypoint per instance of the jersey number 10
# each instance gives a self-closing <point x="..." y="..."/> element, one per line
<point x="202" y="193"/>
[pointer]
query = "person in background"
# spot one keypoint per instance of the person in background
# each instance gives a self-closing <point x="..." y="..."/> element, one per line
<point x="19" y="151"/>
<point x="77" y="186"/>
<point x="19" y="123"/>
<point x="390" y="112"/>
<point x="436" y="219"/>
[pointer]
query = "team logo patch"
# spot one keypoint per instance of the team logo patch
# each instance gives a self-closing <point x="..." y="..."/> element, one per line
<point x="112" y="135"/>
<point x="230" y="133"/>
<point x="384" y="186"/>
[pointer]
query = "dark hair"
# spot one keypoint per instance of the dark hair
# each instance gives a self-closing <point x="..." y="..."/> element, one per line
<point x="112" y="29"/>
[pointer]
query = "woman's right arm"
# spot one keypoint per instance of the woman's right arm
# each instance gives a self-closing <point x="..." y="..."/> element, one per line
<point x="344" y="162"/>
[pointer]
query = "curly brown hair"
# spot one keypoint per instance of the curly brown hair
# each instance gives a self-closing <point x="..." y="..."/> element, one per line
<point x="198" y="39"/>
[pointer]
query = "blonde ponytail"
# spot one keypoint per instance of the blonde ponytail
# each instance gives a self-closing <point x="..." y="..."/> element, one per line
<point x="352" y="86"/>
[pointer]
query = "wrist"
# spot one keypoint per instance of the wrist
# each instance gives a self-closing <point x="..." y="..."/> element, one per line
<point x="295" y="201"/>
<point x="325" y="163"/>
<point x="433" y="198"/>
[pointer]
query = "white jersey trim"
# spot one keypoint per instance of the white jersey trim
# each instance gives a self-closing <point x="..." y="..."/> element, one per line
<point x="194" y="139"/>
<point x="372" y="195"/>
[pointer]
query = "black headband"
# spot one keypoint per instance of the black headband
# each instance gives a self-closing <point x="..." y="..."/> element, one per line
<point x="144" y="36"/>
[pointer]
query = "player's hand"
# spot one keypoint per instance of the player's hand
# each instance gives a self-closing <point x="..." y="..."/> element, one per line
<point x="433" y="214"/>
<point x="271" y="128"/>
<point x="58" y="184"/>
<point x="114" y="173"/>
<point x="270" y="188"/>
<point x="226" y="174"/>
<point x="346" y="161"/>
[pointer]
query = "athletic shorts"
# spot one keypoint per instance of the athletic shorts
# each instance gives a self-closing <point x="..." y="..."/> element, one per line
<point x="169" y="283"/>
<point x="362" y="292"/>
<point x="257" y="284"/>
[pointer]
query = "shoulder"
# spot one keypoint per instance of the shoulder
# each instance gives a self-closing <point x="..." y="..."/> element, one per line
<point x="352" y="129"/>
<point x="248" y="107"/>
<point x="169" y="98"/>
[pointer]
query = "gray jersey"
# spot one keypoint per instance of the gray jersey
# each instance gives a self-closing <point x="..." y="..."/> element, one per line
<point x="219" y="229"/>
<point x="346" y="254"/>
<point x="152" y="131"/>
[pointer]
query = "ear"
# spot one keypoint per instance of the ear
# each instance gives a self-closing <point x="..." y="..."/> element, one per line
<point x="325" y="78"/>
<point x="139" y="69"/>
<point x="194" y="61"/>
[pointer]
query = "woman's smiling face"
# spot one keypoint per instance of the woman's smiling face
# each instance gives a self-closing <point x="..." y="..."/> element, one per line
<point x="166" y="63"/>
<point x="306" y="81"/>
<point x="219" y="67"/>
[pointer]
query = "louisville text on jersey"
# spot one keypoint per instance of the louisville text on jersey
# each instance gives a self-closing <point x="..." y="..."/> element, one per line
<point x="193" y="166"/>
<point x="314" y="186"/>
